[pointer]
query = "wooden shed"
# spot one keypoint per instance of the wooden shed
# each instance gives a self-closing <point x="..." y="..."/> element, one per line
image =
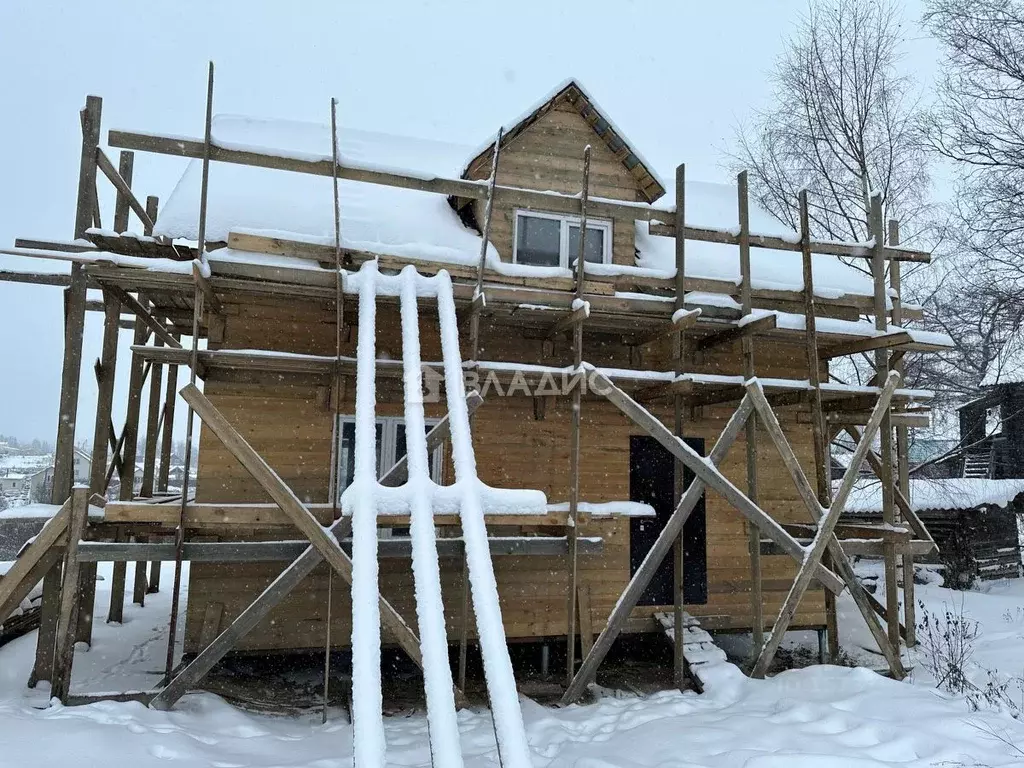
<point x="977" y="523"/>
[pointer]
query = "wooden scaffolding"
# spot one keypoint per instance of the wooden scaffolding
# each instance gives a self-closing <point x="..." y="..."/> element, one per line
<point x="168" y="304"/>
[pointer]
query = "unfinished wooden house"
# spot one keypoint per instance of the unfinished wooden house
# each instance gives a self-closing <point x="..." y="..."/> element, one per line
<point x="608" y="332"/>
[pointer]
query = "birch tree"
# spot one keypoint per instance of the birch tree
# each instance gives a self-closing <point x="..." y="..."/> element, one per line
<point x="842" y="123"/>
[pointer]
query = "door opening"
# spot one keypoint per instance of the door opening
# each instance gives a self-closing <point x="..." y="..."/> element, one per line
<point x="651" y="480"/>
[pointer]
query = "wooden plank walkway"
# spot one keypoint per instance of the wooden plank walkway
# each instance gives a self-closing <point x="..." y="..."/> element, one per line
<point x="699" y="649"/>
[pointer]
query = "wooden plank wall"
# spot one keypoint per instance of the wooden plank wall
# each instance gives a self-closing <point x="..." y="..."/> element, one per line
<point x="289" y="423"/>
<point x="549" y="156"/>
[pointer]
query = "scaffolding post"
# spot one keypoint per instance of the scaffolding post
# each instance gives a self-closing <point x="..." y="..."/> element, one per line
<point x="679" y="420"/>
<point x="572" y="532"/>
<point x="819" y="431"/>
<point x="197" y="310"/>
<point x="74" y="331"/>
<point x="753" y="533"/>
<point x="485" y="235"/>
<point x="106" y="368"/>
<point x="885" y="432"/>
<point x="74" y="319"/>
<point x="903" y="448"/>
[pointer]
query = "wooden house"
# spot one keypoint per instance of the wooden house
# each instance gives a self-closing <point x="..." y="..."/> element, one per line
<point x="992" y="424"/>
<point x="977" y="523"/>
<point x="685" y="293"/>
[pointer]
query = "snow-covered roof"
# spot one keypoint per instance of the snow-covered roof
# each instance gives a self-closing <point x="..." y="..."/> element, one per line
<point x="25" y="462"/>
<point x="946" y="494"/>
<point x="407" y="223"/>
<point x="1008" y="365"/>
<point x="714" y="206"/>
<point x="376" y="218"/>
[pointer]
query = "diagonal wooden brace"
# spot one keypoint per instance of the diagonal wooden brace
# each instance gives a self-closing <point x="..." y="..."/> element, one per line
<point x="283" y="585"/>
<point x="70" y="603"/>
<point x="661" y="547"/>
<point x="144" y="315"/>
<point x="290" y="504"/>
<point x="27" y="571"/>
<point x="912" y="518"/>
<point x="825" y="537"/>
<point x="711" y="476"/>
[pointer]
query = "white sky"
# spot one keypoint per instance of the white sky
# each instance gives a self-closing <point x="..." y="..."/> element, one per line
<point x="675" y="76"/>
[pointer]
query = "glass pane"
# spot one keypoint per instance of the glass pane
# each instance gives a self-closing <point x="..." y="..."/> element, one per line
<point x="380" y="441"/>
<point x="538" y="241"/>
<point x="347" y="460"/>
<point x="594" y="245"/>
<point x="400" y="447"/>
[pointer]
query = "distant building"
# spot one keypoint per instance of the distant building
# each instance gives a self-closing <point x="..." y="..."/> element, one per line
<point x="992" y="425"/>
<point x="975" y="522"/>
<point x="83" y="466"/>
<point x="11" y="483"/>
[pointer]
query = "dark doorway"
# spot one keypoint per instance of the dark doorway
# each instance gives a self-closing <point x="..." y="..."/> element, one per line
<point x="651" y="471"/>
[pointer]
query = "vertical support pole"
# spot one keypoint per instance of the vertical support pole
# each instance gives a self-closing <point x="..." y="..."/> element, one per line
<point x="885" y="432"/>
<point x="152" y="208"/>
<point x="753" y="532"/>
<point x="140" y="581"/>
<point x="339" y="330"/>
<point x="163" y="477"/>
<point x="47" y="639"/>
<point x="903" y="448"/>
<point x="106" y="367"/>
<point x="678" y="408"/>
<point x="197" y="309"/>
<point x="129" y="440"/>
<point x="74" y="322"/>
<point x="485" y="235"/>
<point x="130" y="432"/>
<point x="166" y="445"/>
<point x="67" y="623"/>
<point x="125" y="167"/>
<point x="142" y="584"/>
<point x="572" y="533"/>
<point x="819" y="432"/>
<point x="152" y="426"/>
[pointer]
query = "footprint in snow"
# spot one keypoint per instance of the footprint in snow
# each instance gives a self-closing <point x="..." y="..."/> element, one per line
<point x="161" y="752"/>
<point x="245" y="732"/>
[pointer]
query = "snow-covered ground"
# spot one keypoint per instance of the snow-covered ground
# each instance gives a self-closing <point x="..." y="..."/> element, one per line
<point x="819" y="716"/>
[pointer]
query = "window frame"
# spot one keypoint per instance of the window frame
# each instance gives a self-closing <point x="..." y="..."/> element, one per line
<point x="388" y="446"/>
<point x="566" y="221"/>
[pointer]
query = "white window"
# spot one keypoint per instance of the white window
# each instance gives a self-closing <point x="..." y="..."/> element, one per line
<point x="390" y="448"/>
<point x="552" y="240"/>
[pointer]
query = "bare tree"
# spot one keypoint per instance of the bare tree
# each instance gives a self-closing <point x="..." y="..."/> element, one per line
<point x="978" y="121"/>
<point x="978" y="124"/>
<point x="842" y="124"/>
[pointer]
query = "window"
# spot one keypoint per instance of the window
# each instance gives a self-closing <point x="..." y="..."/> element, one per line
<point x="391" y="446"/>
<point x="550" y="240"/>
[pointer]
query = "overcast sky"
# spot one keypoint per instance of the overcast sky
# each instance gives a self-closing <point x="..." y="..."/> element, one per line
<point x="675" y="76"/>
